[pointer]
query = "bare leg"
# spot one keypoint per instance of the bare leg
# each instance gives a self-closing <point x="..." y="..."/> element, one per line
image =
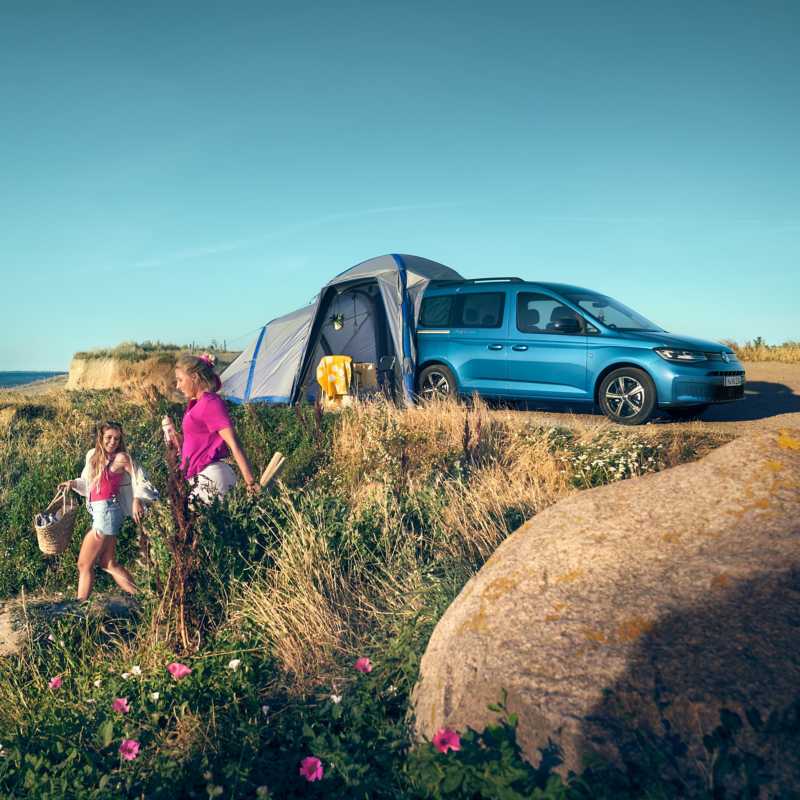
<point x="114" y="568"/>
<point x="93" y="545"/>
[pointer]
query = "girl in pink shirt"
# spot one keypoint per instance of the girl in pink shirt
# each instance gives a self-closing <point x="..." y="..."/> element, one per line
<point x="208" y="433"/>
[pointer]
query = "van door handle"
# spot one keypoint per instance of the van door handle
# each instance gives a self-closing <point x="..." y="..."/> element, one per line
<point x="495" y="347"/>
<point x="519" y="347"/>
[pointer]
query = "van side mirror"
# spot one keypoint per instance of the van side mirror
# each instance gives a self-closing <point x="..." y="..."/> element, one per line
<point x="567" y="325"/>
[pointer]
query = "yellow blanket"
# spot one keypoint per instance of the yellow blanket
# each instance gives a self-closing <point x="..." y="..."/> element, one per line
<point x="333" y="375"/>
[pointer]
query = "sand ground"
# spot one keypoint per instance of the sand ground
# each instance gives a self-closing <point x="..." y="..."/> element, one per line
<point x="772" y="400"/>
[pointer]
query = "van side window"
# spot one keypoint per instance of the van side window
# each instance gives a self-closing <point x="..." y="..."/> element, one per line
<point x="435" y="312"/>
<point x="484" y="310"/>
<point x="537" y="313"/>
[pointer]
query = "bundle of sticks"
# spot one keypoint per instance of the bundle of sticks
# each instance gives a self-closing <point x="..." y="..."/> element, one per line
<point x="273" y="471"/>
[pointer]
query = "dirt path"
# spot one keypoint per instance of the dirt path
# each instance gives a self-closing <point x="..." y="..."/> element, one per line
<point x="772" y="400"/>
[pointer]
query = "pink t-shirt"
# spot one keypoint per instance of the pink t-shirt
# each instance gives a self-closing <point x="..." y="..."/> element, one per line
<point x="202" y="444"/>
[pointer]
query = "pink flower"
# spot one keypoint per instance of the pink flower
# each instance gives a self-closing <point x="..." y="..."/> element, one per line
<point x="121" y="705"/>
<point x="55" y="683"/>
<point x="129" y="749"/>
<point x="178" y="670"/>
<point x="311" y="768"/>
<point x="363" y="665"/>
<point x="446" y="740"/>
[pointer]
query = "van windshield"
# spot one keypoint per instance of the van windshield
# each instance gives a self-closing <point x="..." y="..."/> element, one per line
<point x="610" y="312"/>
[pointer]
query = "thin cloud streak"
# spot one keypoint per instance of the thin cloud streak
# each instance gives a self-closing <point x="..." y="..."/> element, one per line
<point x="299" y="227"/>
<point x="664" y="220"/>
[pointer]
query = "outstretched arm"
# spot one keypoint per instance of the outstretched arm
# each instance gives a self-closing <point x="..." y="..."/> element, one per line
<point x="232" y="440"/>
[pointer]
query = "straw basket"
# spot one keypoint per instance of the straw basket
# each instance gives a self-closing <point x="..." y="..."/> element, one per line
<point x="54" y="539"/>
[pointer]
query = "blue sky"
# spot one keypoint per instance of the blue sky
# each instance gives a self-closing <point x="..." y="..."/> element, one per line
<point x="189" y="170"/>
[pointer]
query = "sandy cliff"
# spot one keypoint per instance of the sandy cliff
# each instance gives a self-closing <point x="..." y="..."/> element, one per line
<point x="112" y="373"/>
<point x="108" y="373"/>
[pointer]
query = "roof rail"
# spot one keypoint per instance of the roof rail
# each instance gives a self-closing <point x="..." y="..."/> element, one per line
<point x="477" y="280"/>
<point x="481" y="280"/>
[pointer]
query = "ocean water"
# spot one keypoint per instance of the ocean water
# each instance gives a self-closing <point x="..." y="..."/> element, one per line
<point x="9" y="379"/>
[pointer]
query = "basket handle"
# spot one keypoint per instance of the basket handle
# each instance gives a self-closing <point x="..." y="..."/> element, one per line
<point x="63" y="495"/>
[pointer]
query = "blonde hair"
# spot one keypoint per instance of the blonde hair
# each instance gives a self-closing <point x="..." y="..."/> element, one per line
<point x="192" y="365"/>
<point x="97" y="463"/>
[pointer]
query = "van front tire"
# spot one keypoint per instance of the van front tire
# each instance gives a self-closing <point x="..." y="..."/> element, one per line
<point x="628" y="396"/>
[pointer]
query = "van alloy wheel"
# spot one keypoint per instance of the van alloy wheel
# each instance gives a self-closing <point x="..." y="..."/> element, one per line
<point x="628" y="396"/>
<point x="436" y="381"/>
<point x="625" y="397"/>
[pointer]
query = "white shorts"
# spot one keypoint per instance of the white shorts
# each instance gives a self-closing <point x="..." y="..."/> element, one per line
<point x="216" y="480"/>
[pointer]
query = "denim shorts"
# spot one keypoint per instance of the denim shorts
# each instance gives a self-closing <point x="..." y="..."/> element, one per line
<point x="106" y="516"/>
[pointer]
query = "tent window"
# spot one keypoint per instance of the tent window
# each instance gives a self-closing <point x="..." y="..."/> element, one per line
<point x="435" y="312"/>
<point x="484" y="310"/>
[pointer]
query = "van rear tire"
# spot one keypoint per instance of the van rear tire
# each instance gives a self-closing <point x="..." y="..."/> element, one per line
<point x="437" y="381"/>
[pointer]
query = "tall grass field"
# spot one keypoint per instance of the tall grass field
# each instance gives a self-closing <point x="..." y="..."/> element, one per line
<point x="289" y="669"/>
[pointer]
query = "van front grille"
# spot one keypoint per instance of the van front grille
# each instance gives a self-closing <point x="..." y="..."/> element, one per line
<point x="711" y="394"/>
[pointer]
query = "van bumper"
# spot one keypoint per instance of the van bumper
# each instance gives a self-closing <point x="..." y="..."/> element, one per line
<point x="686" y="385"/>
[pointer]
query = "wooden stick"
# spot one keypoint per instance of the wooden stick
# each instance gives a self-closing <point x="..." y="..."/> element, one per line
<point x="270" y="468"/>
<point x="273" y="471"/>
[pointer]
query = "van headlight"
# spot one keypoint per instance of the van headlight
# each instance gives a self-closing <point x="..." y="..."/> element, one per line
<point x="680" y="356"/>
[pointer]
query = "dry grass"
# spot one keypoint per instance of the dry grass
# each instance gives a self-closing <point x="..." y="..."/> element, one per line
<point x="404" y="498"/>
<point x="786" y="353"/>
<point x="133" y="351"/>
<point x="433" y="488"/>
<point x="49" y="423"/>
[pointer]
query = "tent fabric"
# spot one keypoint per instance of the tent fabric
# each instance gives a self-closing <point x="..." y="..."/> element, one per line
<point x="271" y="367"/>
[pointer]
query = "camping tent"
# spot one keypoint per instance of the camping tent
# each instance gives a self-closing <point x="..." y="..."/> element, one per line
<point x="377" y="303"/>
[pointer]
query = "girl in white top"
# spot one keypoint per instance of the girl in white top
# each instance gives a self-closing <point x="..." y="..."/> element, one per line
<point x="108" y="503"/>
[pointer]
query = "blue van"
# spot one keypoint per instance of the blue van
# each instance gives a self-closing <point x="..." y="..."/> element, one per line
<point x="510" y="339"/>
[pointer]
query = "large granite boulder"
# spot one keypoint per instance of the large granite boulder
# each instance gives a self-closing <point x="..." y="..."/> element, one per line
<point x="669" y="596"/>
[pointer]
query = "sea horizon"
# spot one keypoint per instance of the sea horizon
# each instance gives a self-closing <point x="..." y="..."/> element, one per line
<point x="11" y="378"/>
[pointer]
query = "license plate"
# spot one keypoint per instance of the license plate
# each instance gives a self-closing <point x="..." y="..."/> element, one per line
<point x="734" y="380"/>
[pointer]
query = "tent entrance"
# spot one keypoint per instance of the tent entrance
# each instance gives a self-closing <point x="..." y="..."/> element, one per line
<point x="364" y="334"/>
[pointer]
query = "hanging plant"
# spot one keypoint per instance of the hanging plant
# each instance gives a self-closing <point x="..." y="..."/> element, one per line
<point x="337" y="321"/>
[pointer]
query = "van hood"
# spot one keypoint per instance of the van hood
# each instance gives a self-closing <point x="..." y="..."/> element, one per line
<point x="664" y="339"/>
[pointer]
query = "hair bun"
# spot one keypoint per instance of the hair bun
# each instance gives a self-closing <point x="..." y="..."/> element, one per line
<point x="209" y="359"/>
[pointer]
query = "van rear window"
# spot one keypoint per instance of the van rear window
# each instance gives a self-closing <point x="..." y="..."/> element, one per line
<point x="435" y="312"/>
<point x="484" y="310"/>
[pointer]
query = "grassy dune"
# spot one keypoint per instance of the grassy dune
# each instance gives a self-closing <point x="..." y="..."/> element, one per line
<point x="382" y="516"/>
<point x="757" y="350"/>
<point x="135" y="351"/>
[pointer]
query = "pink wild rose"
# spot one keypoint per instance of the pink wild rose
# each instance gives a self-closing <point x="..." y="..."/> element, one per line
<point x="121" y="705"/>
<point x="129" y="749"/>
<point x="55" y="683"/>
<point x="311" y="768"/>
<point x="363" y="665"/>
<point x="446" y="740"/>
<point x="178" y="670"/>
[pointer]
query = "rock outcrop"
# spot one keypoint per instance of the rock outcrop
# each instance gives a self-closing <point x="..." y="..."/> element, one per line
<point x="669" y="597"/>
